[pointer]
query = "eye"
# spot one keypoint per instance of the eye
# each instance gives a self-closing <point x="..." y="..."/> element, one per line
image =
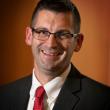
<point x="40" y="31"/>
<point x="44" y="32"/>
<point x="63" y="35"/>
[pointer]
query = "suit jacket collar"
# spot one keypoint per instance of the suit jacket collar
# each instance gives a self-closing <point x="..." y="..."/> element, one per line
<point x="68" y="98"/>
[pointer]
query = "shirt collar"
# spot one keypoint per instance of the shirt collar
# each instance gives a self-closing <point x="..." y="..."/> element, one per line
<point x="53" y="87"/>
<point x="35" y="84"/>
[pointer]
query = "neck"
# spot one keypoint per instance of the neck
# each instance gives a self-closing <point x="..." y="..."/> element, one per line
<point x="45" y="76"/>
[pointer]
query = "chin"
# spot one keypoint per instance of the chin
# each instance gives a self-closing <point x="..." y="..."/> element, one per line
<point x="54" y="67"/>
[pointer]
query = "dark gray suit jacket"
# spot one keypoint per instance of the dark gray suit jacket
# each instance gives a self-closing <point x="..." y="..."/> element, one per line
<point x="78" y="93"/>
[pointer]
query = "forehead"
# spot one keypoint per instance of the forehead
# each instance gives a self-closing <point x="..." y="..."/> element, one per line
<point x="46" y="17"/>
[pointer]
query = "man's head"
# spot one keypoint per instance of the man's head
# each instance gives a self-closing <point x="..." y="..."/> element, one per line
<point x="54" y="35"/>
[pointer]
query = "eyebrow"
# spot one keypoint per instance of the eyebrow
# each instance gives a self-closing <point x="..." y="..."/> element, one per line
<point x="43" y="28"/>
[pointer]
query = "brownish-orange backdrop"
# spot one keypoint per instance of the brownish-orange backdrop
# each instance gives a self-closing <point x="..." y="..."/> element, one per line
<point x="15" y="57"/>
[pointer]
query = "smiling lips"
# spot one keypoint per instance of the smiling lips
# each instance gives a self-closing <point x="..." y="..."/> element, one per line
<point x="51" y="53"/>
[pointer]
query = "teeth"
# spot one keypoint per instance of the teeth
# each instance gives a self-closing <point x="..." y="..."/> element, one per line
<point x="50" y="53"/>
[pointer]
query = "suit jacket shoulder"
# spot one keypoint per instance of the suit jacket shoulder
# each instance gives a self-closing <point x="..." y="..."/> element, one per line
<point x="14" y="96"/>
<point x="82" y="93"/>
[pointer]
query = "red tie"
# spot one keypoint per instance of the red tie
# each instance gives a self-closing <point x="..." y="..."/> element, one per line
<point x="39" y="95"/>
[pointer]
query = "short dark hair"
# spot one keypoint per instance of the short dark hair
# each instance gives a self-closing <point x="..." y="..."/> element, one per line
<point x="59" y="6"/>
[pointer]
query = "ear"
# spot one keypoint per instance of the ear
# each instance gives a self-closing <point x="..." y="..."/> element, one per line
<point x="79" y="40"/>
<point x="29" y="36"/>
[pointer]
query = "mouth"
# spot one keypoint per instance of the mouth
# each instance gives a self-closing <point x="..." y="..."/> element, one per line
<point x="50" y="53"/>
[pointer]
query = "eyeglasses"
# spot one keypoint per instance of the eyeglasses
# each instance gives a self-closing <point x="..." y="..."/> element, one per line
<point x="43" y="34"/>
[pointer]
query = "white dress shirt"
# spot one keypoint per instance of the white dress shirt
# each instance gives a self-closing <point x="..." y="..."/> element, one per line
<point x="52" y="89"/>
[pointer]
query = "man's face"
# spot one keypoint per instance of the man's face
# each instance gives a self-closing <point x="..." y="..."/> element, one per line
<point x="52" y="55"/>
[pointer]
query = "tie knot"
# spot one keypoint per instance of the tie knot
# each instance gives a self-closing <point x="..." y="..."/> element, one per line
<point x="39" y="92"/>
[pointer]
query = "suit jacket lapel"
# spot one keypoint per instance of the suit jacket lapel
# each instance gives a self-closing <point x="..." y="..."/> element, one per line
<point x="24" y="96"/>
<point x="67" y="98"/>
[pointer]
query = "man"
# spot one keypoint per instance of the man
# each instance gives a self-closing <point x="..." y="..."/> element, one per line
<point x="54" y="35"/>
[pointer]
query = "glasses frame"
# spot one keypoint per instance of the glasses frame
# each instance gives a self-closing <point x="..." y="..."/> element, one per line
<point x="71" y="34"/>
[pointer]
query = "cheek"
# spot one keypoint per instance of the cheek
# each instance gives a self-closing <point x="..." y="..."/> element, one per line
<point x="35" y="46"/>
<point x="69" y="49"/>
<point x="68" y="45"/>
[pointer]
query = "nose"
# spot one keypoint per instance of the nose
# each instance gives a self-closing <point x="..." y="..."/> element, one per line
<point x="52" y="41"/>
